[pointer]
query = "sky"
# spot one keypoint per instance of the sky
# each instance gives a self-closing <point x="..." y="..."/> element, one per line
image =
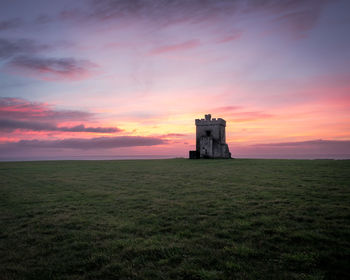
<point x="104" y="78"/>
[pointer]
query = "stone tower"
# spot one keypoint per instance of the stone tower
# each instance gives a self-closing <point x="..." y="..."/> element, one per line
<point x="210" y="139"/>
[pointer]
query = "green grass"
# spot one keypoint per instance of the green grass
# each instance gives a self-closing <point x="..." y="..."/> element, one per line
<point x="175" y="219"/>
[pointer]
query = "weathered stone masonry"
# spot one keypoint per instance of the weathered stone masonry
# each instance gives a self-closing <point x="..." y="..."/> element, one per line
<point x="210" y="139"/>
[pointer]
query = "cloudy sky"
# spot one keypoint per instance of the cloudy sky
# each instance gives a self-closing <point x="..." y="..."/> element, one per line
<point x="128" y="77"/>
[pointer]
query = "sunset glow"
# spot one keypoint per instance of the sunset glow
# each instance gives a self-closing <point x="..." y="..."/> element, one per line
<point x="128" y="78"/>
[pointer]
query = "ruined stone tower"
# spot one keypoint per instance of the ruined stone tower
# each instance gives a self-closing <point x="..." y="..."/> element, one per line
<point x="210" y="139"/>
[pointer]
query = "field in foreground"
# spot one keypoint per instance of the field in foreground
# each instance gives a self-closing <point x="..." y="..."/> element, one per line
<point x="175" y="219"/>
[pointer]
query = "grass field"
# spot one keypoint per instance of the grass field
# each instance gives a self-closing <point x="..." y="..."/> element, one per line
<point x="175" y="219"/>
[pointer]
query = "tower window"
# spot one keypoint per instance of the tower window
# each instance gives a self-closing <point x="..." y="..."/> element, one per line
<point x="208" y="132"/>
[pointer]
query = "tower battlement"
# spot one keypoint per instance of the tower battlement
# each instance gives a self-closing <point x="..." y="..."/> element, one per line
<point x="214" y="121"/>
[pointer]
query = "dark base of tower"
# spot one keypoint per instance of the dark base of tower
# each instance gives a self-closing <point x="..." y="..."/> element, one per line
<point x="194" y="155"/>
<point x="197" y="155"/>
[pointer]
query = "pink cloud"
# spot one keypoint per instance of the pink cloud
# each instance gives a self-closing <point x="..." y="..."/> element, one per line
<point x="226" y="109"/>
<point x="21" y="109"/>
<point x="176" y="47"/>
<point x="9" y="125"/>
<point x="20" y="114"/>
<point x="230" y="37"/>
<point x="238" y="114"/>
<point x="249" y="116"/>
